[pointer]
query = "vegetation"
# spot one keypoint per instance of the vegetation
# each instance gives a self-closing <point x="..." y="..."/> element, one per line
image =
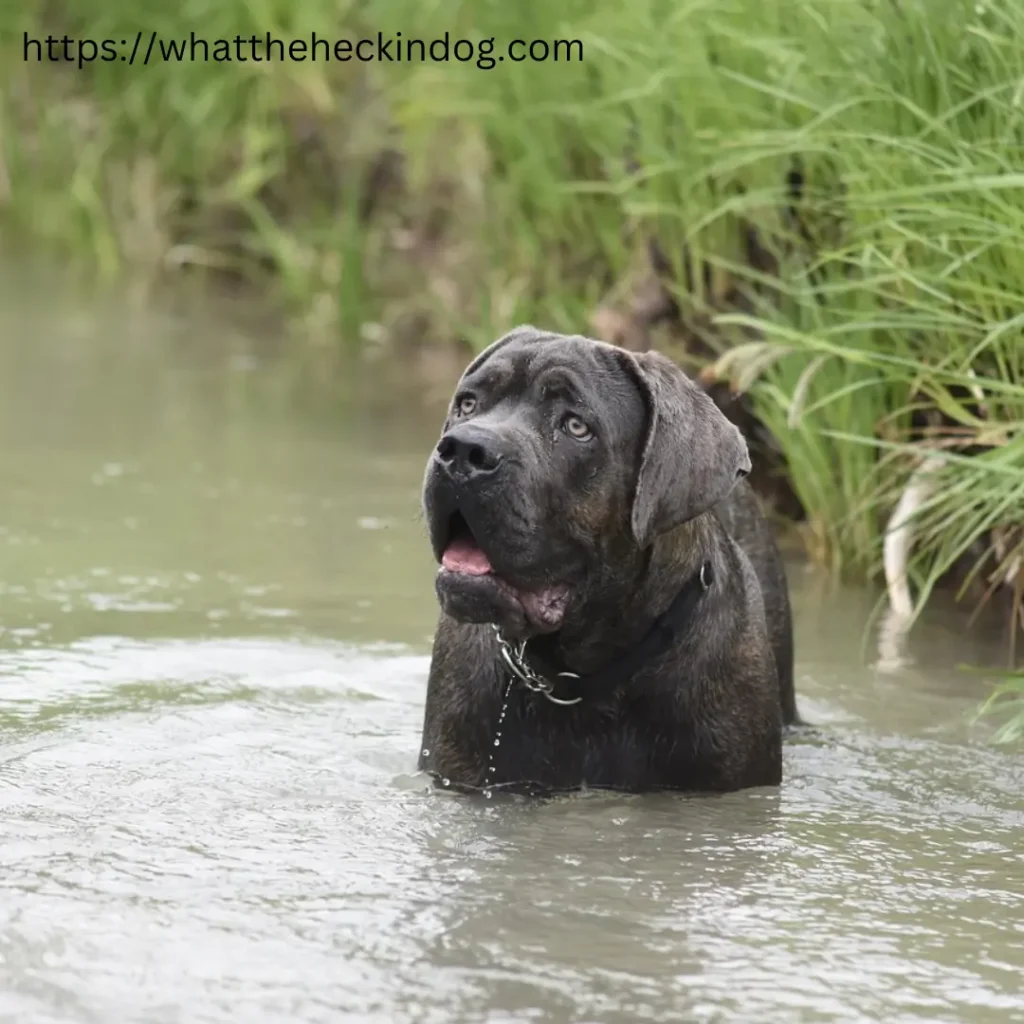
<point x="827" y="196"/>
<point x="1007" y="703"/>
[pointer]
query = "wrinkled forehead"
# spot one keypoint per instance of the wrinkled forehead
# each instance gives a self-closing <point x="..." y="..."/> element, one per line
<point x="588" y="375"/>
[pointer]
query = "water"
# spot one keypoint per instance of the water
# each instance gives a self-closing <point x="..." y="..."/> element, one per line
<point x="216" y="615"/>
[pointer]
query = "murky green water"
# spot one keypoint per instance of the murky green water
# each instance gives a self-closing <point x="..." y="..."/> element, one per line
<point x="215" y="628"/>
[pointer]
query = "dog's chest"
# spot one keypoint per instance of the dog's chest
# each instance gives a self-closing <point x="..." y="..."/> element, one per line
<point x="543" y="744"/>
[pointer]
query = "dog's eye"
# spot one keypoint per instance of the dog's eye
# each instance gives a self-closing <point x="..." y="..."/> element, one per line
<point x="576" y="428"/>
<point x="465" y="405"/>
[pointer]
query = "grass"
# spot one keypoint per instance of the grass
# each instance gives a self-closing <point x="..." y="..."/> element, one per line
<point x="1007" y="703"/>
<point x="433" y="200"/>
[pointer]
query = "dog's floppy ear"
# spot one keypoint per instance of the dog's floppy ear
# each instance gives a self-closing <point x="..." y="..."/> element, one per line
<point x="692" y="455"/>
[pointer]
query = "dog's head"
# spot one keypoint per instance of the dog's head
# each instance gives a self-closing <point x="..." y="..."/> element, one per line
<point x="562" y="459"/>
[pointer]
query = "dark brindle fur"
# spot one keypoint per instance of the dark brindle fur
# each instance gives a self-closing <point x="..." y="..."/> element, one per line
<point x="575" y="489"/>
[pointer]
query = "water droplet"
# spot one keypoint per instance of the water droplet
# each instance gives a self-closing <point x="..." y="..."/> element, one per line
<point x="487" y="793"/>
<point x="426" y="752"/>
<point x="491" y="770"/>
<point x="446" y="782"/>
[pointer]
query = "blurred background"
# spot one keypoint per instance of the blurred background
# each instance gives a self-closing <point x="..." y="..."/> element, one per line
<point x="234" y="297"/>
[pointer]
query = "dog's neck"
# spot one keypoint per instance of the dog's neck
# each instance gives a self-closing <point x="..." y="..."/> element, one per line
<point x="622" y="610"/>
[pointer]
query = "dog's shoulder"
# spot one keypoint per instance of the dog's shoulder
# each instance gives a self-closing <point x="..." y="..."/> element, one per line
<point x="463" y="697"/>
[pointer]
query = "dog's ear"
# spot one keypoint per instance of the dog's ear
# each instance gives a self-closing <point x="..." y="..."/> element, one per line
<point x="692" y="455"/>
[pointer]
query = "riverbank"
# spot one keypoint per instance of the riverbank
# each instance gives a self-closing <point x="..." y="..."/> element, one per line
<point x="818" y="206"/>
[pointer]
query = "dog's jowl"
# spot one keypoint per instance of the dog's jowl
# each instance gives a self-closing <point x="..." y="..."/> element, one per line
<point x="614" y="610"/>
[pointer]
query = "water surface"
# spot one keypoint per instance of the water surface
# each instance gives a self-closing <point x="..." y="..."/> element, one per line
<point x="215" y="614"/>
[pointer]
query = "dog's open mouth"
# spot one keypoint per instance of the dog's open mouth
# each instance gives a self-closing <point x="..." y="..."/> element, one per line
<point x="544" y="607"/>
<point x="463" y="554"/>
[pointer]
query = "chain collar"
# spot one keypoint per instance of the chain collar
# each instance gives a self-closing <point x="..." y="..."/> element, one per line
<point x="514" y="657"/>
<point x="662" y="634"/>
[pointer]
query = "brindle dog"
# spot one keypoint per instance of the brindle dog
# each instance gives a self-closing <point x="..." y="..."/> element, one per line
<point x="614" y="608"/>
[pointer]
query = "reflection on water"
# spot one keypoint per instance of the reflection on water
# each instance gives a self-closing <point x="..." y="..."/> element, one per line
<point x="215" y="623"/>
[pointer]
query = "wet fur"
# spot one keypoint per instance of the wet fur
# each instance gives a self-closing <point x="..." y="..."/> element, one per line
<point x="706" y="716"/>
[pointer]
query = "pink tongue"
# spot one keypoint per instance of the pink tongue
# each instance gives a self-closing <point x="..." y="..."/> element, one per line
<point x="465" y="556"/>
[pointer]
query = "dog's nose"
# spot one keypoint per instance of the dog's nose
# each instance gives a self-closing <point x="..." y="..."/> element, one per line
<point x="469" y="452"/>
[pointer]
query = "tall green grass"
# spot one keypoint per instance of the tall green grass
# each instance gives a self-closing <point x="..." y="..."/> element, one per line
<point x="1007" y="703"/>
<point x="527" y="191"/>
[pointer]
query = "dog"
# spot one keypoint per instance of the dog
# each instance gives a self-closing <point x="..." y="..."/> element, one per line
<point x="614" y="609"/>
